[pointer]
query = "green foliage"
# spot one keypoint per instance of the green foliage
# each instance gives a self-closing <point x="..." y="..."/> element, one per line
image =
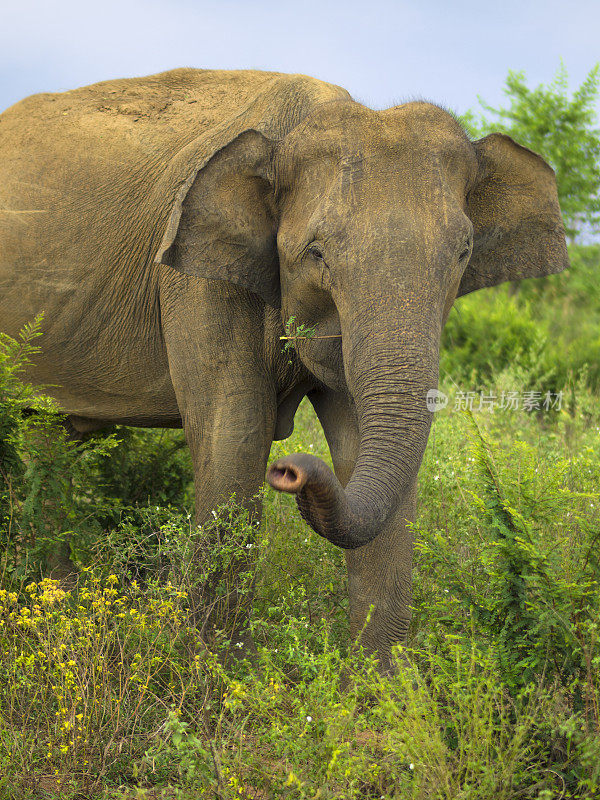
<point x="15" y="396"/>
<point x="183" y="748"/>
<point x="45" y="494"/>
<point x="548" y="330"/>
<point x="485" y="335"/>
<point x="578" y="286"/>
<point x="145" y="467"/>
<point x="563" y="129"/>
<point x="507" y="561"/>
<point x="295" y="332"/>
<point x="60" y="499"/>
<point x="530" y="611"/>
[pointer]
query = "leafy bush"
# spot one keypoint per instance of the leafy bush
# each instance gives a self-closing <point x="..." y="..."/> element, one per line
<point x="146" y="467"/>
<point x="61" y="498"/>
<point x="46" y="491"/>
<point x="484" y="336"/>
<point x="537" y="613"/>
<point x="548" y="329"/>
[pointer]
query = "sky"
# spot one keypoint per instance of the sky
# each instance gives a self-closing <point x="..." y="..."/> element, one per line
<point x="383" y="52"/>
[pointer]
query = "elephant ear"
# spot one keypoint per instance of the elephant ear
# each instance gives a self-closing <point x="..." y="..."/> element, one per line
<point x="518" y="229"/>
<point x="224" y="225"/>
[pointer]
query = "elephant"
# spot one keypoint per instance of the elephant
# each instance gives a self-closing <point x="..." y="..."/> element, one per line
<point x="169" y="226"/>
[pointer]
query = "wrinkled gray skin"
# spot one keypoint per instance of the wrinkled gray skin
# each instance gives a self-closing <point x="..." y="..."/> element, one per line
<point x="359" y="223"/>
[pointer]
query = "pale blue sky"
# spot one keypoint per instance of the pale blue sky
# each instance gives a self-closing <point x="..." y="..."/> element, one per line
<point x="381" y="51"/>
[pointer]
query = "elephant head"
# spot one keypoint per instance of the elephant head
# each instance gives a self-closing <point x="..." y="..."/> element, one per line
<point x="367" y="225"/>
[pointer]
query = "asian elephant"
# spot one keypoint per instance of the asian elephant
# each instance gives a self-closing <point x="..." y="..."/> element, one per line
<point x="169" y="226"/>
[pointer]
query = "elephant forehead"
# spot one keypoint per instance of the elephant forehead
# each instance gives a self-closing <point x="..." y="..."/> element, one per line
<point x="348" y="133"/>
<point x="374" y="186"/>
<point x="378" y="191"/>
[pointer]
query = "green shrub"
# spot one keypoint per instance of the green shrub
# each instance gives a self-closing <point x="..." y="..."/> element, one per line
<point x="536" y="611"/>
<point x="60" y="498"/>
<point x="46" y="490"/>
<point x="548" y="329"/>
<point x="487" y="335"/>
<point x="146" y="467"/>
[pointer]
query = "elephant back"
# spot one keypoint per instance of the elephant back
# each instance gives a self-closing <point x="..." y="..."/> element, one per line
<point x="89" y="177"/>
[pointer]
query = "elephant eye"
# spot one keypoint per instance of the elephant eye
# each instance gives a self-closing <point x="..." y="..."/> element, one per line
<point x="315" y="252"/>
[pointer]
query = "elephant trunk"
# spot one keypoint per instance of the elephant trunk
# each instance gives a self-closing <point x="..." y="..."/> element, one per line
<point x="389" y="372"/>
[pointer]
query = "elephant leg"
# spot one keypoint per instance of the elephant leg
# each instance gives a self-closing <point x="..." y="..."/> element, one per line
<point x="213" y="337"/>
<point x="379" y="573"/>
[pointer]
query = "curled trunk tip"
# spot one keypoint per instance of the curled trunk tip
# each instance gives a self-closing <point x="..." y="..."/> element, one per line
<point x="292" y="473"/>
<point x="286" y="475"/>
<point x="321" y="500"/>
